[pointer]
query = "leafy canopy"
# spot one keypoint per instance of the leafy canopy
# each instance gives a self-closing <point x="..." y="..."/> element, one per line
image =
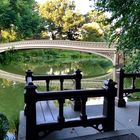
<point x="95" y="27"/>
<point x="20" y="16"/>
<point x="60" y="16"/>
<point x="125" y="30"/>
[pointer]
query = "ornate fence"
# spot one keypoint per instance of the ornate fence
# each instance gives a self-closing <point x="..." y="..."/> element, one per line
<point x="48" y="78"/>
<point x="32" y="96"/>
<point x="125" y="91"/>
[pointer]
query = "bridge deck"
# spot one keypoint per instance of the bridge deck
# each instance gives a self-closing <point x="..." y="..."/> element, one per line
<point x="126" y="118"/>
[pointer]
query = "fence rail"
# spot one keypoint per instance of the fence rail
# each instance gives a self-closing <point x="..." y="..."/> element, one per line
<point x="122" y="90"/>
<point x="32" y="96"/>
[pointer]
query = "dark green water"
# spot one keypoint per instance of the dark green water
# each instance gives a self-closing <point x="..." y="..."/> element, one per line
<point x="56" y="62"/>
<point x="11" y="101"/>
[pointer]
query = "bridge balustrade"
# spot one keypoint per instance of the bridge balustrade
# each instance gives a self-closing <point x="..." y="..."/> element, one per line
<point x="32" y="96"/>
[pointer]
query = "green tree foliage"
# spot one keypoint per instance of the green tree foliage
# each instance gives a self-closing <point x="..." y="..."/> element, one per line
<point x="6" y="14"/>
<point x="8" y="35"/>
<point x="60" y="16"/>
<point x="20" y="16"/>
<point x="95" y="16"/>
<point x="28" y="19"/>
<point x="95" y="27"/>
<point x="92" y="32"/>
<point x="4" y="126"/>
<point x="125" y="30"/>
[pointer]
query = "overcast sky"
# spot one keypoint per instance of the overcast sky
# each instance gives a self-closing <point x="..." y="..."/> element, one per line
<point x="81" y="5"/>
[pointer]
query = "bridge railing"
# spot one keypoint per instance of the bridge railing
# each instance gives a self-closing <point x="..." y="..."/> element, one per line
<point x="106" y="120"/>
<point x="60" y="42"/>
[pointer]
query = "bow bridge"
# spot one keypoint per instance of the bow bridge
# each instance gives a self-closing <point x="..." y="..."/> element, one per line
<point x="99" y="48"/>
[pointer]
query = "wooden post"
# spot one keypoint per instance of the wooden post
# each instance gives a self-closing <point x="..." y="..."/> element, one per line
<point x="61" y="118"/>
<point x="139" y="116"/>
<point x="29" y="75"/>
<point x="109" y="105"/>
<point x="77" y="102"/>
<point x="47" y="85"/>
<point x="31" y="132"/>
<point x="119" y="101"/>
<point x="28" y="79"/>
<point x="61" y="84"/>
<point x="83" y="114"/>
<point x="78" y="79"/>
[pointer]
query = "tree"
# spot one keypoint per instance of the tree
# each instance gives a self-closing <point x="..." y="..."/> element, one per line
<point x="8" y="35"/>
<point x="95" y="16"/>
<point x="27" y="20"/>
<point x="95" y="27"/>
<point x="6" y="15"/>
<point x="92" y="32"/>
<point x="61" y="16"/>
<point x="125" y="29"/>
<point x="20" y="16"/>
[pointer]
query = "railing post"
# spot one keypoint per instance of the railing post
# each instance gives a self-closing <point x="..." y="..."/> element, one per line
<point x="47" y="85"/>
<point x="61" y="118"/>
<point x="109" y="105"/>
<point x="119" y="101"/>
<point x="139" y="116"/>
<point x="29" y="75"/>
<point x="76" y="105"/>
<point x="133" y="82"/>
<point x="83" y="114"/>
<point x="28" y="79"/>
<point x="29" y="97"/>
<point x="78" y="79"/>
<point x="61" y="84"/>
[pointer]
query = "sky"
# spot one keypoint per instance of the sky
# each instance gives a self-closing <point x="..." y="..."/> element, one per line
<point x="81" y="5"/>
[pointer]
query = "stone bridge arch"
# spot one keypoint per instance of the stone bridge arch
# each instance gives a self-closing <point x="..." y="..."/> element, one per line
<point x="99" y="48"/>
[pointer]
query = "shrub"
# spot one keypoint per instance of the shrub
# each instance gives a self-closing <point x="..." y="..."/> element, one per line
<point x="4" y="126"/>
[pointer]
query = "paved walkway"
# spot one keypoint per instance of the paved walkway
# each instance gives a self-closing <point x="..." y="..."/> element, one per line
<point x="126" y="122"/>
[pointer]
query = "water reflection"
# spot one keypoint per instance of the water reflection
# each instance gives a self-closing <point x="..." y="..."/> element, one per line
<point x="86" y="66"/>
<point x="11" y="100"/>
<point x="89" y="67"/>
<point x="4" y="83"/>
